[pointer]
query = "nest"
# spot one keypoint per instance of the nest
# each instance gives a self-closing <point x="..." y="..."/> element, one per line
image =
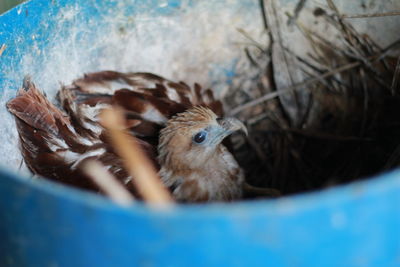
<point x="315" y="119"/>
<point x="329" y="117"/>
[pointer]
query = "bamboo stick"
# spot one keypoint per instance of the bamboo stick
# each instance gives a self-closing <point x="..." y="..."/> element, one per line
<point x="107" y="183"/>
<point x="145" y="177"/>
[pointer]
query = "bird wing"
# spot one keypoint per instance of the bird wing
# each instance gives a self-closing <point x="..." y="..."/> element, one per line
<point x="147" y="99"/>
<point x="49" y="144"/>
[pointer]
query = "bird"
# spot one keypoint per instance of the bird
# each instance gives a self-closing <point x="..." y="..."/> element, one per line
<point x="194" y="162"/>
<point x="180" y="128"/>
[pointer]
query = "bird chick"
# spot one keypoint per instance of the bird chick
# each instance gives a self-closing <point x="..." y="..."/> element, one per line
<point x="195" y="165"/>
<point x="192" y="161"/>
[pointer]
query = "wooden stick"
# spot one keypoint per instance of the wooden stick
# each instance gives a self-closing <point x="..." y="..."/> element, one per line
<point x="144" y="176"/>
<point x="374" y="15"/>
<point x="107" y="182"/>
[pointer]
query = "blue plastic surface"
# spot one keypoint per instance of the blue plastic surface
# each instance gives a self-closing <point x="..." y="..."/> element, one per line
<point x="46" y="224"/>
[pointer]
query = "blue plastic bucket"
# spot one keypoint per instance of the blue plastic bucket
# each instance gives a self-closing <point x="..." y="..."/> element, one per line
<point x="47" y="224"/>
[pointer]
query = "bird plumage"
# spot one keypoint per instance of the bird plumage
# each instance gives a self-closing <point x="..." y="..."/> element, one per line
<point x="200" y="171"/>
<point x="54" y="143"/>
<point x="50" y="144"/>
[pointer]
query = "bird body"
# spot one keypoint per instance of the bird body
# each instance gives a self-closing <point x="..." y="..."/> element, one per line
<point x="177" y="126"/>
<point x="209" y="182"/>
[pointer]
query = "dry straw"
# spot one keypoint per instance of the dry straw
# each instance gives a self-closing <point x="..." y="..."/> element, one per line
<point x="144" y="175"/>
<point x="322" y="118"/>
<point x="107" y="183"/>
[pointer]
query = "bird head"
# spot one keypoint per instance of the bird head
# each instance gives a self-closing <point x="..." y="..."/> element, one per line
<point x="192" y="138"/>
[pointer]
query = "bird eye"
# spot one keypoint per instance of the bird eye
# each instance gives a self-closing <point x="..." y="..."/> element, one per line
<point x="200" y="137"/>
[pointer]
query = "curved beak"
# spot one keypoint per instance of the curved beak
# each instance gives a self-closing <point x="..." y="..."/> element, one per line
<point x="226" y="126"/>
<point x="231" y="125"/>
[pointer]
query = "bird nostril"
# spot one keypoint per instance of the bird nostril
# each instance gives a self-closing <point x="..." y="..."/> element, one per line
<point x="232" y="124"/>
<point x="223" y="122"/>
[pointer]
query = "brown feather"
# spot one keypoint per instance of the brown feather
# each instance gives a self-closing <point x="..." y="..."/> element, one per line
<point x="34" y="109"/>
<point x="196" y="173"/>
<point x="54" y="144"/>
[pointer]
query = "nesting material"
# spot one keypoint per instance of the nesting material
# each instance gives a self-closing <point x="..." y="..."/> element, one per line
<point x="136" y="162"/>
<point x="107" y="183"/>
<point x="319" y="117"/>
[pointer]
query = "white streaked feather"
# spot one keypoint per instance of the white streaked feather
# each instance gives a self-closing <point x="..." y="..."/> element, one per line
<point x="173" y="95"/>
<point x="81" y="157"/>
<point x="152" y="114"/>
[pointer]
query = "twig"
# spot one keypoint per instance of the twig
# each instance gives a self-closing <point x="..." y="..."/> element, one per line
<point x="257" y="148"/>
<point x="136" y="162"/>
<point x="293" y="87"/>
<point x="327" y="136"/>
<point x="332" y="6"/>
<point x="257" y="118"/>
<point x="264" y="15"/>
<point x="2" y="48"/>
<point x="107" y="183"/>
<point x="314" y="79"/>
<point x="393" y="159"/>
<point x="357" y="16"/>
<point x="395" y="77"/>
<point x="250" y="58"/>
<point x="20" y="164"/>
<point x="251" y="39"/>
<point x="300" y="5"/>
<point x="389" y="48"/>
<point x="261" y="191"/>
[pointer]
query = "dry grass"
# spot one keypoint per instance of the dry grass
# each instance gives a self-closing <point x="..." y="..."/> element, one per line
<point x="326" y="118"/>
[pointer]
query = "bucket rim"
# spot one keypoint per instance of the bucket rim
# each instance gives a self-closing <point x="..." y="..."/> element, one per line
<point x="287" y="205"/>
